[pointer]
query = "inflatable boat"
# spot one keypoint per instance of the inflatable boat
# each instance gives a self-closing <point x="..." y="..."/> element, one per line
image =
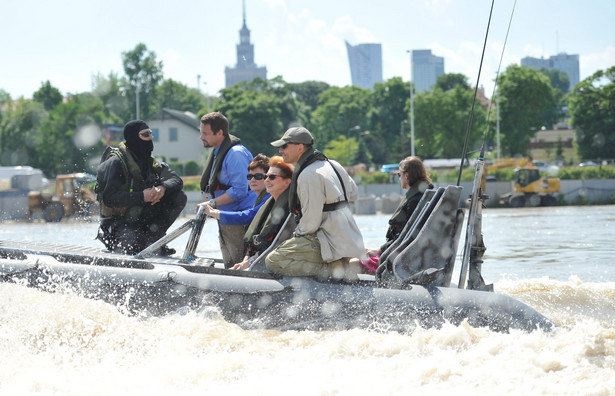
<point x="413" y="286"/>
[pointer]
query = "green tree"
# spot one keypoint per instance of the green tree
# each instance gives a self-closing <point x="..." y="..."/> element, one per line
<point x="386" y="113"/>
<point x="253" y="116"/>
<point x="361" y="155"/>
<point x="560" y="84"/>
<point x="557" y="78"/>
<point x="308" y="92"/>
<point x="19" y="128"/>
<point x="592" y="106"/>
<point x="144" y="73"/>
<point x="109" y="91"/>
<point x="442" y="119"/>
<point x="48" y="95"/>
<point x="341" y="149"/>
<point x="70" y="138"/>
<point x="177" y="96"/>
<point x="339" y="111"/>
<point x="192" y="168"/>
<point x="448" y="81"/>
<point x="525" y="95"/>
<point x="292" y="111"/>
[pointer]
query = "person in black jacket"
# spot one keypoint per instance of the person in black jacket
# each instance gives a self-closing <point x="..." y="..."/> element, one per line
<point x="413" y="176"/>
<point x="140" y="197"/>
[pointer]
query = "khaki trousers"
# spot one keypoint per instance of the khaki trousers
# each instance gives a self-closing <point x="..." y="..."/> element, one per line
<point x="300" y="256"/>
<point x="231" y="243"/>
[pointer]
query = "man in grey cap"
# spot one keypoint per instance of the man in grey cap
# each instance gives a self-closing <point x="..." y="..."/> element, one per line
<point x="326" y="235"/>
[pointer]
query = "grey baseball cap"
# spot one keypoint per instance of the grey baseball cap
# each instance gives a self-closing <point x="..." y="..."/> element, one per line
<point x="295" y="135"/>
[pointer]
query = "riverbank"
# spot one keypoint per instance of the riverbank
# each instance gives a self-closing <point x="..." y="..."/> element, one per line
<point x="384" y="198"/>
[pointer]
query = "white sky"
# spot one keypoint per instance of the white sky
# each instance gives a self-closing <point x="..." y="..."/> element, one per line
<point x="67" y="41"/>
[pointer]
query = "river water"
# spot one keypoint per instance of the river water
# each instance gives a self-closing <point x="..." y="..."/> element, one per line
<point x="559" y="260"/>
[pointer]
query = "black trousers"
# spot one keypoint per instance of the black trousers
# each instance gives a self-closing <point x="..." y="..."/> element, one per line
<point x="141" y="225"/>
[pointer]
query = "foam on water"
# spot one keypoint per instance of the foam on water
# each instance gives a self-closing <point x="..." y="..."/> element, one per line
<point x="63" y="344"/>
<point x="557" y="260"/>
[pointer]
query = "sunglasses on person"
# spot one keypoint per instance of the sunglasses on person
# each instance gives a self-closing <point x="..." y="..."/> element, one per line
<point x="145" y="134"/>
<point x="257" y="176"/>
<point x="286" y="145"/>
<point x="272" y="177"/>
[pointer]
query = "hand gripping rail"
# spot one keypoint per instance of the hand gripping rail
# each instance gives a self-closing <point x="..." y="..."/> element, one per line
<point x="196" y="225"/>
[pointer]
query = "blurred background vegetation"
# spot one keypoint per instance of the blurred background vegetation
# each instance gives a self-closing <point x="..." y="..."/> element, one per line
<point x="63" y="133"/>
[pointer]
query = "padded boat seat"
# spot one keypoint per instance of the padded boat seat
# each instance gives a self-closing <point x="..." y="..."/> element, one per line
<point x="424" y="253"/>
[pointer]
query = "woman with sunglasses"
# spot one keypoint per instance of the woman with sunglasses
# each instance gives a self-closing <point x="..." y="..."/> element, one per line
<point x="414" y="177"/>
<point x="257" y="170"/>
<point x="271" y="215"/>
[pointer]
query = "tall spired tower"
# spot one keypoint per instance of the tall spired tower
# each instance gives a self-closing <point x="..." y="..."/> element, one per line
<point x="245" y="69"/>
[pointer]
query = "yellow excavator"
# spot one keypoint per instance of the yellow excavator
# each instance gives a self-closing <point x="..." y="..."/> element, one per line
<point x="530" y="188"/>
<point x="72" y="198"/>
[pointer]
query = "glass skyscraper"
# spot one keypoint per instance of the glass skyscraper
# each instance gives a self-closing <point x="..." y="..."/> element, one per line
<point x="365" y="64"/>
<point x="426" y="68"/>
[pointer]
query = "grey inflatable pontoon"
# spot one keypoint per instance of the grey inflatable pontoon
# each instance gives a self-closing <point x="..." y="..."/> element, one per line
<point x="412" y="287"/>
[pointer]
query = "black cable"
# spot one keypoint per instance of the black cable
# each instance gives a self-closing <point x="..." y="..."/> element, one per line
<point x="465" y="144"/>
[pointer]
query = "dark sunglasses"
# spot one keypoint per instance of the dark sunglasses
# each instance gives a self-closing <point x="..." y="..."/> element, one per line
<point x="257" y="176"/>
<point x="286" y="145"/>
<point x="145" y="134"/>
<point x="272" y="177"/>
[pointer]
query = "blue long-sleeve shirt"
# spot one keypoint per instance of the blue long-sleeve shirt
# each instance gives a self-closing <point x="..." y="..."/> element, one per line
<point x="243" y="217"/>
<point x="233" y="173"/>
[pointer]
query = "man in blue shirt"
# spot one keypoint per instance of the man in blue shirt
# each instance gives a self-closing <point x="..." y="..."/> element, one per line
<point x="224" y="181"/>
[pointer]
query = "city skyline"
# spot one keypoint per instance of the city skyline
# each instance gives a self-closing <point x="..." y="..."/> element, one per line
<point x="67" y="42"/>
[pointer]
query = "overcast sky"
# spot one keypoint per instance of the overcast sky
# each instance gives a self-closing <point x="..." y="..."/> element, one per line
<point x="66" y="41"/>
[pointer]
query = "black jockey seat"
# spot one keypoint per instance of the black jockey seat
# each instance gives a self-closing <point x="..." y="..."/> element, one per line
<point x="425" y="251"/>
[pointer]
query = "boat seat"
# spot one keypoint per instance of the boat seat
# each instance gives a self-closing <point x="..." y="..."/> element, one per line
<point x="392" y="250"/>
<point x="427" y="251"/>
<point x="419" y="216"/>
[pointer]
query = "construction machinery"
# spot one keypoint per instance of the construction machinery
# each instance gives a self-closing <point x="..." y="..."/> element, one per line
<point x="530" y="188"/>
<point x="72" y="198"/>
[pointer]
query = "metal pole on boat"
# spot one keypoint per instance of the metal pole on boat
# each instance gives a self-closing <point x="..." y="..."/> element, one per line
<point x="497" y="117"/>
<point x="471" y="240"/>
<point x="195" y="235"/>
<point x="138" y="105"/>
<point x="411" y="108"/>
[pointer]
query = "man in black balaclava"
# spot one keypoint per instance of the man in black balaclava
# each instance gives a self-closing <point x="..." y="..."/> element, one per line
<point x="140" y="198"/>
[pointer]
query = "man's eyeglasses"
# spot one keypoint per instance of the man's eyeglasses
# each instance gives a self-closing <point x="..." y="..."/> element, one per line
<point x="286" y="145"/>
<point x="272" y="177"/>
<point x="145" y="134"/>
<point x="257" y="176"/>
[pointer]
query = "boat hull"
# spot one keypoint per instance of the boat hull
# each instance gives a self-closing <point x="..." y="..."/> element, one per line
<point x="254" y="300"/>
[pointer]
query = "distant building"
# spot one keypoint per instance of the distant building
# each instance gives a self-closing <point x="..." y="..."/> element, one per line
<point x="245" y="69"/>
<point x="426" y="68"/>
<point x="365" y="64"/>
<point x="176" y="135"/>
<point x="569" y="64"/>
<point x="546" y="142"/>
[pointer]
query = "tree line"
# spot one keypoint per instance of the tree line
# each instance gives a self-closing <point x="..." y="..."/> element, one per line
<point x="60" y="134"/>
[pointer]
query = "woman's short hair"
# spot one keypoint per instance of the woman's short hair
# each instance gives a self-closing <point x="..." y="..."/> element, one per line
<point x="260" y="161"/>
<point x="415" y="169"/>
<point x="286" y="170"/>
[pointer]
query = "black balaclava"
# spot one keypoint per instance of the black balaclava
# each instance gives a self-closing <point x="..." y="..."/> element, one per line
<point x="142" y="149"/>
